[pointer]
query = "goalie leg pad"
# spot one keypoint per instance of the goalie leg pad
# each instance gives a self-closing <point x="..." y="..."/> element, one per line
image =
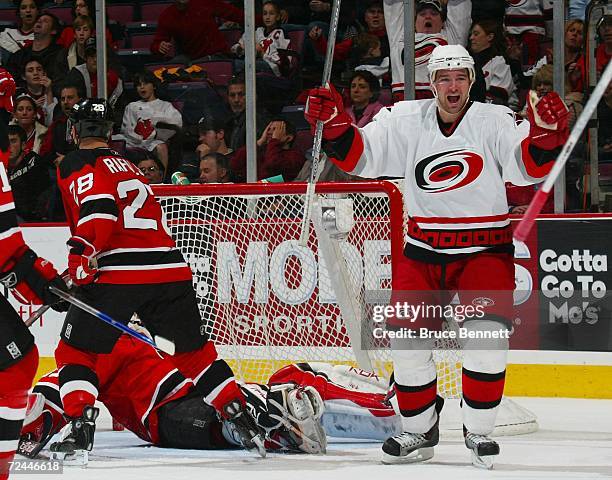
<point x="191" y="423"/>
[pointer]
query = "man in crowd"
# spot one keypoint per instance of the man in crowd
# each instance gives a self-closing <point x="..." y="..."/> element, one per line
<point x="215" y="168"/>
<point x="192" y="25"/>
<point x="211" y="135"/>
<point x="236" y="126"/>
<point x="276" y="154"/>
<point x="44" y="49"/>
<point x="153" y="169"/>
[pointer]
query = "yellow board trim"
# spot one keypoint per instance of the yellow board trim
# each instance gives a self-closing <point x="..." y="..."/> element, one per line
<point x="534" y="380"/>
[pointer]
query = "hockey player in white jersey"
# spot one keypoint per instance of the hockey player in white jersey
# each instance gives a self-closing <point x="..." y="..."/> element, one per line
<point x="435" y="24"/>
<point x="454" y="156"/>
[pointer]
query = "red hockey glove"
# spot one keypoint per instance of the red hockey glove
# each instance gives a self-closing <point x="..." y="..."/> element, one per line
<point x="81" y="262"/>
<point x="7" y="90"/>
<point x="30" y="278"/>
<point x="548" y="117"/>
<point x="326" y="105"/>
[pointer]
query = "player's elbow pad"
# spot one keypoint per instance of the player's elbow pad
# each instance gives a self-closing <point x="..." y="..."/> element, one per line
<point x="346" y="150"/>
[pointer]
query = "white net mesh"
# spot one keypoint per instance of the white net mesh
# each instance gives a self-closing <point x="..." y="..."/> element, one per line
<point x="266" y="301"/>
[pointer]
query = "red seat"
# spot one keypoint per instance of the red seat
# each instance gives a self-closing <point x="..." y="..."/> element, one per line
<point x="63" y="13"/>
<point x="219" y="71"/>
<point x="231" y="36"/>
<point x="149" y="12"/>
<point x="123" y="13"/>
<point x="141" y="40"/>
<point x="303" y="140"/>
<point x="8" y="14"/>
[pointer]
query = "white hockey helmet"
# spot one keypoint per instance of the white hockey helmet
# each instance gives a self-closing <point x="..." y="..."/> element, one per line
<point x="450" y="57"/>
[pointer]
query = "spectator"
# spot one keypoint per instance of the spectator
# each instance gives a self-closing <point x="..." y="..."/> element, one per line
<point x="84" y="8"/>
<point x="191" y="25"/>
<point x="525" y="20"/>
<point x="364" y="105"/>
<point x="435" y="24"/>
<point x="29" y="178"/>
<point x="58" y="141"/>
<point x="236" y="95"/>
<point x="215" y="168"/>
<point x="25" y="116"/>
<point x="367" y="55"/>
<point x="488" y="47"/>
<point x="141" y="119"/>
<point x="153" y="169"/>
<point x="83" y="30"/>
<point x="37" y="85"/>
<point x="86" y="75"/>
<point x="604" y="132"/>
<point x="375" y="25"/>
<point x="268" y="39"/>
<point x="14" y="39"/>
<point x="44" y="49"/>
<point x="211" y="135"/>
<point x="276" y="154"/>
<point x="603" y="53"/>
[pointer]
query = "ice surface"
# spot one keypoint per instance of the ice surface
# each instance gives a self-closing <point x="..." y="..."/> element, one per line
<point x="574" y="442"/>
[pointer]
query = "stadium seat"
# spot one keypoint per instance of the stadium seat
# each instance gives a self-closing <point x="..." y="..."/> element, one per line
<point x="231" y="35"/>
<point x="149" y="12"/>
<point x="141" y="40"/>
<point x="7" y="24"/>
<point x="118" y="146"/>
<point x="140" y="27"/>
<point x="63" y="13"/>
<point x="219" y="71"/>
<point x="385" y="97"/>
<point x="122" y="13"/>
<point x="8" y="15"/>
<point x="295" y="114"/>
<point x="134" y="59"/>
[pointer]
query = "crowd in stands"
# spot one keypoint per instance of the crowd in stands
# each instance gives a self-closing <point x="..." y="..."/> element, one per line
<point x="174" y="77"/>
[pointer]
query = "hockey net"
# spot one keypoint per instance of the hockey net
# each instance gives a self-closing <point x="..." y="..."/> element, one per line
<point x="267" y="301"/>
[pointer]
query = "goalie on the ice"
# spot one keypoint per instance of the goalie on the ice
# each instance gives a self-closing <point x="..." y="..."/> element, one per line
<point x="147" y="394"/>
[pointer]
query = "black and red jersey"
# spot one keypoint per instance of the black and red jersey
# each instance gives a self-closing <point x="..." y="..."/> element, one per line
<point x="110" y="205"/>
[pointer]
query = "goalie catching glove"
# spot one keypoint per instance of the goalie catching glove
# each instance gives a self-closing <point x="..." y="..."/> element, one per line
<point x="291" y="416"/>
<point x="548" y="120"/>
<point x="29" y="279"/>
<point x="325" y="104"/>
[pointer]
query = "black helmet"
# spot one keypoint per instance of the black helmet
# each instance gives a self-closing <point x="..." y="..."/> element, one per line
<point x="92" y="117"/>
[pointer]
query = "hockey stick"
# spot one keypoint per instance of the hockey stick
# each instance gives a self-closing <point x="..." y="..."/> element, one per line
<point x="535" y="207"/>
<point x="36" y="315"/>
<point x="316" y="145"/>
<point x="160" y="343"/>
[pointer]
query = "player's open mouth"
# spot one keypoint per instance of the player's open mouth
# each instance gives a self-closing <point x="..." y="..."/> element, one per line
<point x="453" y="99"/>
<point x="428" y="25"/>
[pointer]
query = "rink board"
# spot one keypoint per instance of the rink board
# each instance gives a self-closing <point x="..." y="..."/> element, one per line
<point x="555" y="357"/>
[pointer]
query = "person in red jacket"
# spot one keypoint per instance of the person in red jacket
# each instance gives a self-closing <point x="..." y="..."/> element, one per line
<point x="276" y="154"/>
<point x="192" y="26"/>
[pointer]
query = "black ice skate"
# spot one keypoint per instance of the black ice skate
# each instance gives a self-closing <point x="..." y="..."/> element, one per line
<point x="410" y="447"/>
<point x="251" y="435"/>
<point x="77" y="439"/>
<point x="483" y="449"/>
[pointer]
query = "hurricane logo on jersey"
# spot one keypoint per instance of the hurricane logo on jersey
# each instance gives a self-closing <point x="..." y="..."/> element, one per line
<point x="517" y="3"/>
<point x="447" y="171"/>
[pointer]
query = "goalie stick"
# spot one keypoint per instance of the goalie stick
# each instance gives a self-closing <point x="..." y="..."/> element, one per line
<point x="318" y="138"/>
<point x="159" y="343"/>
<point x="535" y="207"/>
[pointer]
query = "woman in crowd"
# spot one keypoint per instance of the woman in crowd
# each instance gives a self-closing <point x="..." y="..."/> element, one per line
<point x="364" y="104"/>
<point x="24" y="115"/>
<point x="36" y="84"/>
<point x="13" y="39"/>
<point x="488" y="47"/>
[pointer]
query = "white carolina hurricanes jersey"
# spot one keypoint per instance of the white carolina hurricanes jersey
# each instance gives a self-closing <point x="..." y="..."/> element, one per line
<point x="454" y="31"/>
<point x="527" y="16"/>
<point x="498" y="79"/>
<point x="453" y="186"/>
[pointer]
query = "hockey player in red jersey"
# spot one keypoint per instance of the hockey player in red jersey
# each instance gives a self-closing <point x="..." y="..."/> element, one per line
<point x="28" y="277"/>
<point x="454" y="156"/>
<point x="144" y="391"/>
<point x="125" y="262"/>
